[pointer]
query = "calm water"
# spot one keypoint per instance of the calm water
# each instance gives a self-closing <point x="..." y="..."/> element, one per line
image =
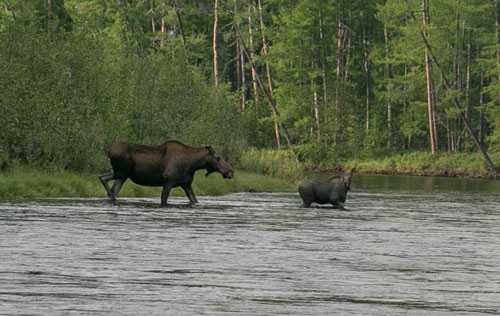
<point x="400" y="250"/>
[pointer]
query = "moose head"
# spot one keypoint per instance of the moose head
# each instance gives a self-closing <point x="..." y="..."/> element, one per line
<point x="216" y="164"/>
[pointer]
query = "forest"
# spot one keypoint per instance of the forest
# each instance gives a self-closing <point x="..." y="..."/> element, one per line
<point x="327" y="79"/>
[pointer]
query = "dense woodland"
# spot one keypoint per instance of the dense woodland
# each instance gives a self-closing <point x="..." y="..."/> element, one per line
<point x="328" y="78"/>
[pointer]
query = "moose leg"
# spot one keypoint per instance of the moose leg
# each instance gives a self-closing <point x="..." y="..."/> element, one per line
<point x="117" y="186"/>
<point x="105" y="178"/>
<point x="165" y="193"/>
<point x="190" y="194"/>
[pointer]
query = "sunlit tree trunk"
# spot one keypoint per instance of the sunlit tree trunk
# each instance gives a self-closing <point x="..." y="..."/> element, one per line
<point x="323" y="61"/>
<point x="487" y="160"/>
<point x="388" y="73"/>
<point x="163" y="31"/>
<point x="268" y="72"/>
<point x="341" y="73"/>
<point x="255" y="89"/>
<point x="315" y="109"/>
<point x="366" y="68"/>
<point x="214" y="43"/>
<point x="240" y="66"/>
<point x="481" y="111"/>
<point x="468" y="77"/>
<point x="265" y="47"/>
<point x="431" y="98"/>
<point x="152" y="8"/>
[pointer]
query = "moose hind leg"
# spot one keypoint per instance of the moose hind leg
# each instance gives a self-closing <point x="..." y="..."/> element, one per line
<point x="105" y="178"/>
<point x="117" y="186"/>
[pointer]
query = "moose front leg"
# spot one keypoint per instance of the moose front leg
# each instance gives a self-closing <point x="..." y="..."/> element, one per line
<point x="190" y="194"/>
<point x="117" y="186"/>
<point x="165" y="193"/>
<point x="105" y="178"/>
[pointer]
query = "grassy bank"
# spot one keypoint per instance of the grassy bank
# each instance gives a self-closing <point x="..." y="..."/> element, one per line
<point x="425" y="164"/>
<point x="283" y="164"/>
<point x="29" y="183"/>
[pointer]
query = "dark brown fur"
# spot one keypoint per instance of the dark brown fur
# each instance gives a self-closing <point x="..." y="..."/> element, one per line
<point x="332" y="192"/>
<point x="168" y="165"/>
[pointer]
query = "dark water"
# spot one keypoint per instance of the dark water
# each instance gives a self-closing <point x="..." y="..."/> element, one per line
<point x="399" y="251"/>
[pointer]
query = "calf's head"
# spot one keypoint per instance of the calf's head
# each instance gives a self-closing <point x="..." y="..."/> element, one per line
<point x="346" y="180"/>
<point x="343" y="180"/>
<point x="216" y="164"/>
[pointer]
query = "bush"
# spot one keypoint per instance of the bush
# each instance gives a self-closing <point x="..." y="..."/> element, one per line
<point x="275" y="163"/>
<point x="66" y="96"/>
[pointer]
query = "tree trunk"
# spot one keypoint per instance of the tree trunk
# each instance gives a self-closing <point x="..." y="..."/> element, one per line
<point x="163" y="31"/>
<point x="268" y="71"/>
<point x="468" y="77"/>
<point x="481" y="111"/>
<point x="252" y="49"/>
<point x="316" y="113"/>
<point x="214" y="43"/>
<point x="497" y="35"/>
<point x="239" y="65"/>
<point x="179" y="21"/>
<point x="388" y="74"/>
<point x="49" y="15"/>
<point x="341" y="74"/>
<point x="153" y="24"/>
<point x="487" y="160"/>
<point x="431" y="106"/>
<point x="323" y="61"/>
<point x="452" y="131"/>
<point x="243" y="79"/>
<point x="238" y="71"/>
<point x="366" y="67"/>
<point x="272" y="102"/>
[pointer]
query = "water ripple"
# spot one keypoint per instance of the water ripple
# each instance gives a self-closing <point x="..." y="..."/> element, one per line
<point x="252" y="253"/>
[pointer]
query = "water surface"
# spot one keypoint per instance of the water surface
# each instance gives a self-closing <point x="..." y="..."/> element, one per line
<point x="394" y="252"/>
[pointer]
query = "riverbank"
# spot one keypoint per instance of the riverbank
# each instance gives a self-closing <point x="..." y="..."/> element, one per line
<point x="284" y="164"/>
<point x="22" y="183"/>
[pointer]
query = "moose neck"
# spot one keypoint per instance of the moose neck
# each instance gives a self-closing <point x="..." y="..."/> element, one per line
<point x="200" y="159"/>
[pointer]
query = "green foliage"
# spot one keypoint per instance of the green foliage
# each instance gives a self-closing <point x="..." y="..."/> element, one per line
<point x="283" y="165"/>
<point x="25" y="182"/>
<point x="274" y="163"/>
<point x="66" y="96"/>
<point x="423" y="163"/>
<point x="79" y="75"/>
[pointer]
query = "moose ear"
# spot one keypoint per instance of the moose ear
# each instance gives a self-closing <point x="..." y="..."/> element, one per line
<point x="210" y="149"/>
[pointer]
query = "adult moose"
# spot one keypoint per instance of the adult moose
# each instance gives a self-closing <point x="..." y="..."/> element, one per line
<point x="168" y="165"/>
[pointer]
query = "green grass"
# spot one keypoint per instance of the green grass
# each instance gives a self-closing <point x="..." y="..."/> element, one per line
<point x="284" y="165"/>
<point x="275" y="163"/>
<point x="421" y="163"/>
<point x="26" y="182"/>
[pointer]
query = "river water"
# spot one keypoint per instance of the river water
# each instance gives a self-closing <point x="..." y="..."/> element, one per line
<point x="410" y="246"/>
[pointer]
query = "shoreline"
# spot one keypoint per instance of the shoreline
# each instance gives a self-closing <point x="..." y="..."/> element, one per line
<point x="26" y="182"/>
<point x="284" y="164"/>
<point x="417" y="173"/>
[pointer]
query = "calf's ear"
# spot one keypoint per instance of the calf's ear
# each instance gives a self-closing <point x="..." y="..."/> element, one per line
<point x="210" y="149"/>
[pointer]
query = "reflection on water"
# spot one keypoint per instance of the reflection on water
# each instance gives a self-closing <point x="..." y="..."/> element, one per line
<point x="415" y="184"/>
<point x="391" y="253"/>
